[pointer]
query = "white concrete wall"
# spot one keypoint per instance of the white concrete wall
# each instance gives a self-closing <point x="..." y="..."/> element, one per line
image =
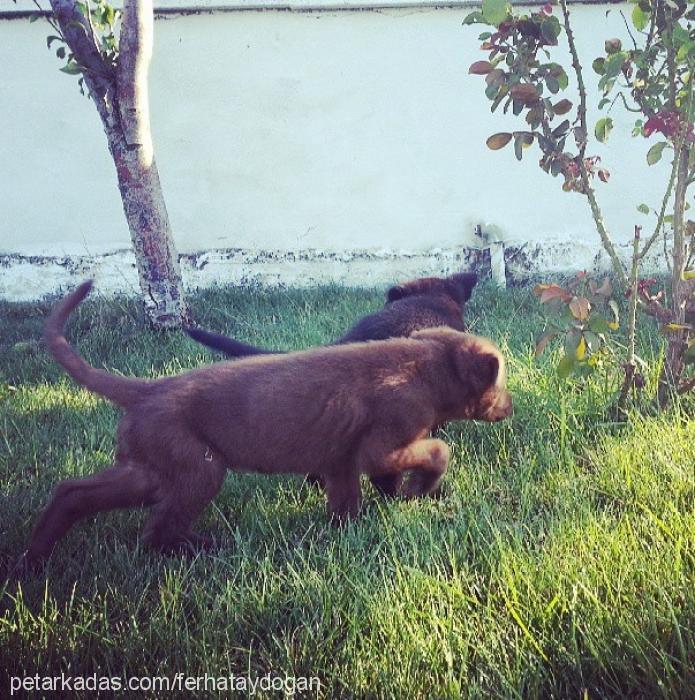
<point x="357" y="133"/>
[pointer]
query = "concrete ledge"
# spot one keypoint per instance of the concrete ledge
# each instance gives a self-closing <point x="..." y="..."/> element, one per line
<point x="25" y="277"/>
<point x="33" y="277"/>
<point x="191" y="6"/>
<point x="26" y="8"/>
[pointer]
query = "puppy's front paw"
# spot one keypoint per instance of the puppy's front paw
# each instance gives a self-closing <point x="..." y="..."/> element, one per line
<point x="387" y="485"/>
<point x="422" y="483"/>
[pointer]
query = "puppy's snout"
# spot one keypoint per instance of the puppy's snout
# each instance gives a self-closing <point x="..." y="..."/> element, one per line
<point x="502" y="408"/>
<point x="508" y="405"/>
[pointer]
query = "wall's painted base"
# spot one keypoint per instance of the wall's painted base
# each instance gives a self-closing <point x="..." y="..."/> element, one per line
<point x="30" y="277"/>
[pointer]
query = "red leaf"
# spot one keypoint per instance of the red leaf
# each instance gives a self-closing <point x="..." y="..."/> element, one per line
<point x="553" y="291"/>
<point x="580" y="308"/>
<point x="497" y="141"/>
<point x="480" y="68"/>
<point x="525" y="92"/>
<point x="562" y="107"/>
<point x="543" y="341"/>
<point x="605" y="290"/>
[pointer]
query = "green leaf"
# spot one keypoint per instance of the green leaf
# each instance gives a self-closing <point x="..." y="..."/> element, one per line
<point x="614" y="64"/>
<point x="522" y="140"/>
<point x="34" y="18"/>
<point x="598" y="324"/>
<point x="553" y="84"/>
<point x="491" y="91"/>
<point x="603" y="128"/>
<point x="565" y="367"/>
<point x="643" y="209"/>
<point x="561" y="128"/>
<point x="562" y="79"/>
<point x="616" y="311"/>
<point x="50" y="39"/>
<point x="518" y="147"/>
<point x="655" y="152"/>
<point x="606" y="84"/>
<point x="558" y="72"/>
<point x="495" y="11"/>
<point x="572" y="340"/>
<point x="592" y="340"/>
<point x="498" y="100"/>
<point x="550" y="30"/>
<point x="72" y="68"/>
<point x="640" y="18"/>
<point x="680" y="36"/>
<point x="475" y="17"/>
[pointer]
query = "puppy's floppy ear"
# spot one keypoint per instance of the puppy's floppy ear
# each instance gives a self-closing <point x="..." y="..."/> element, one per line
<point x="397" y="292"/>
<point x="465" y="281"/>
<point x="486" y="368"/>
<point x="477" y="368"/>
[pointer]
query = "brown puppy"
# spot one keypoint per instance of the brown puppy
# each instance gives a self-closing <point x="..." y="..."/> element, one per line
<point x="422" y="303"/>
<point x="337" y="411"/>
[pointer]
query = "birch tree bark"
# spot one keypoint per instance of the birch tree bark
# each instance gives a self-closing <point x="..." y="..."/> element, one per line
<point x="120" y="93"/>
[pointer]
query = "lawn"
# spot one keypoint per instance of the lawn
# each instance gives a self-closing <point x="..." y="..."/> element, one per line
<point x="559" y="560"/>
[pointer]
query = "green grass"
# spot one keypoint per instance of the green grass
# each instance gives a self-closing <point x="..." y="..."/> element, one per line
<point x="559" y="560"/>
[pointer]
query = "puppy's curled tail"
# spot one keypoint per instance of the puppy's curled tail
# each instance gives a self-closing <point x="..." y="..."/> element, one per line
<point x="229" y="346"/>
<point x="123" y="391"/>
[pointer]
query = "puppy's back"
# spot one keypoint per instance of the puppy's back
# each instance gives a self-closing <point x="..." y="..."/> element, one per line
<point x="400" y="318"/>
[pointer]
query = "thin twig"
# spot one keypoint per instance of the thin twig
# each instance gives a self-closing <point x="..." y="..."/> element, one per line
<point x="588" y="189"/>
<point x="629" y="31"/>
<point x="667" y="196"/>
<point x="631" y="364"/>
<point x="49" y="19"/>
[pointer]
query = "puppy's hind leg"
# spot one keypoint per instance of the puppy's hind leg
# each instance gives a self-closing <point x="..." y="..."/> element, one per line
<point x="122" y="486"/>
<point x="169" y="527"/>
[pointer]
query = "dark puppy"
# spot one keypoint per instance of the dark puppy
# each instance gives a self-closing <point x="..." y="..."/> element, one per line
<point x="337" y="411"/>
<point x="422" y="303"/>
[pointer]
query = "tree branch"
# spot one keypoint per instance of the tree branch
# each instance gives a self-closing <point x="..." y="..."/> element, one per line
<point x="77" y="33"/>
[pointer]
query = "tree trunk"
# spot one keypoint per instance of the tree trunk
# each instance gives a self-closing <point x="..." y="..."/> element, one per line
<point x="155" y="255"/>
<point x="123" y="105"/>
<point x="138" y="178"/>
<point x="681" y="290"/>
